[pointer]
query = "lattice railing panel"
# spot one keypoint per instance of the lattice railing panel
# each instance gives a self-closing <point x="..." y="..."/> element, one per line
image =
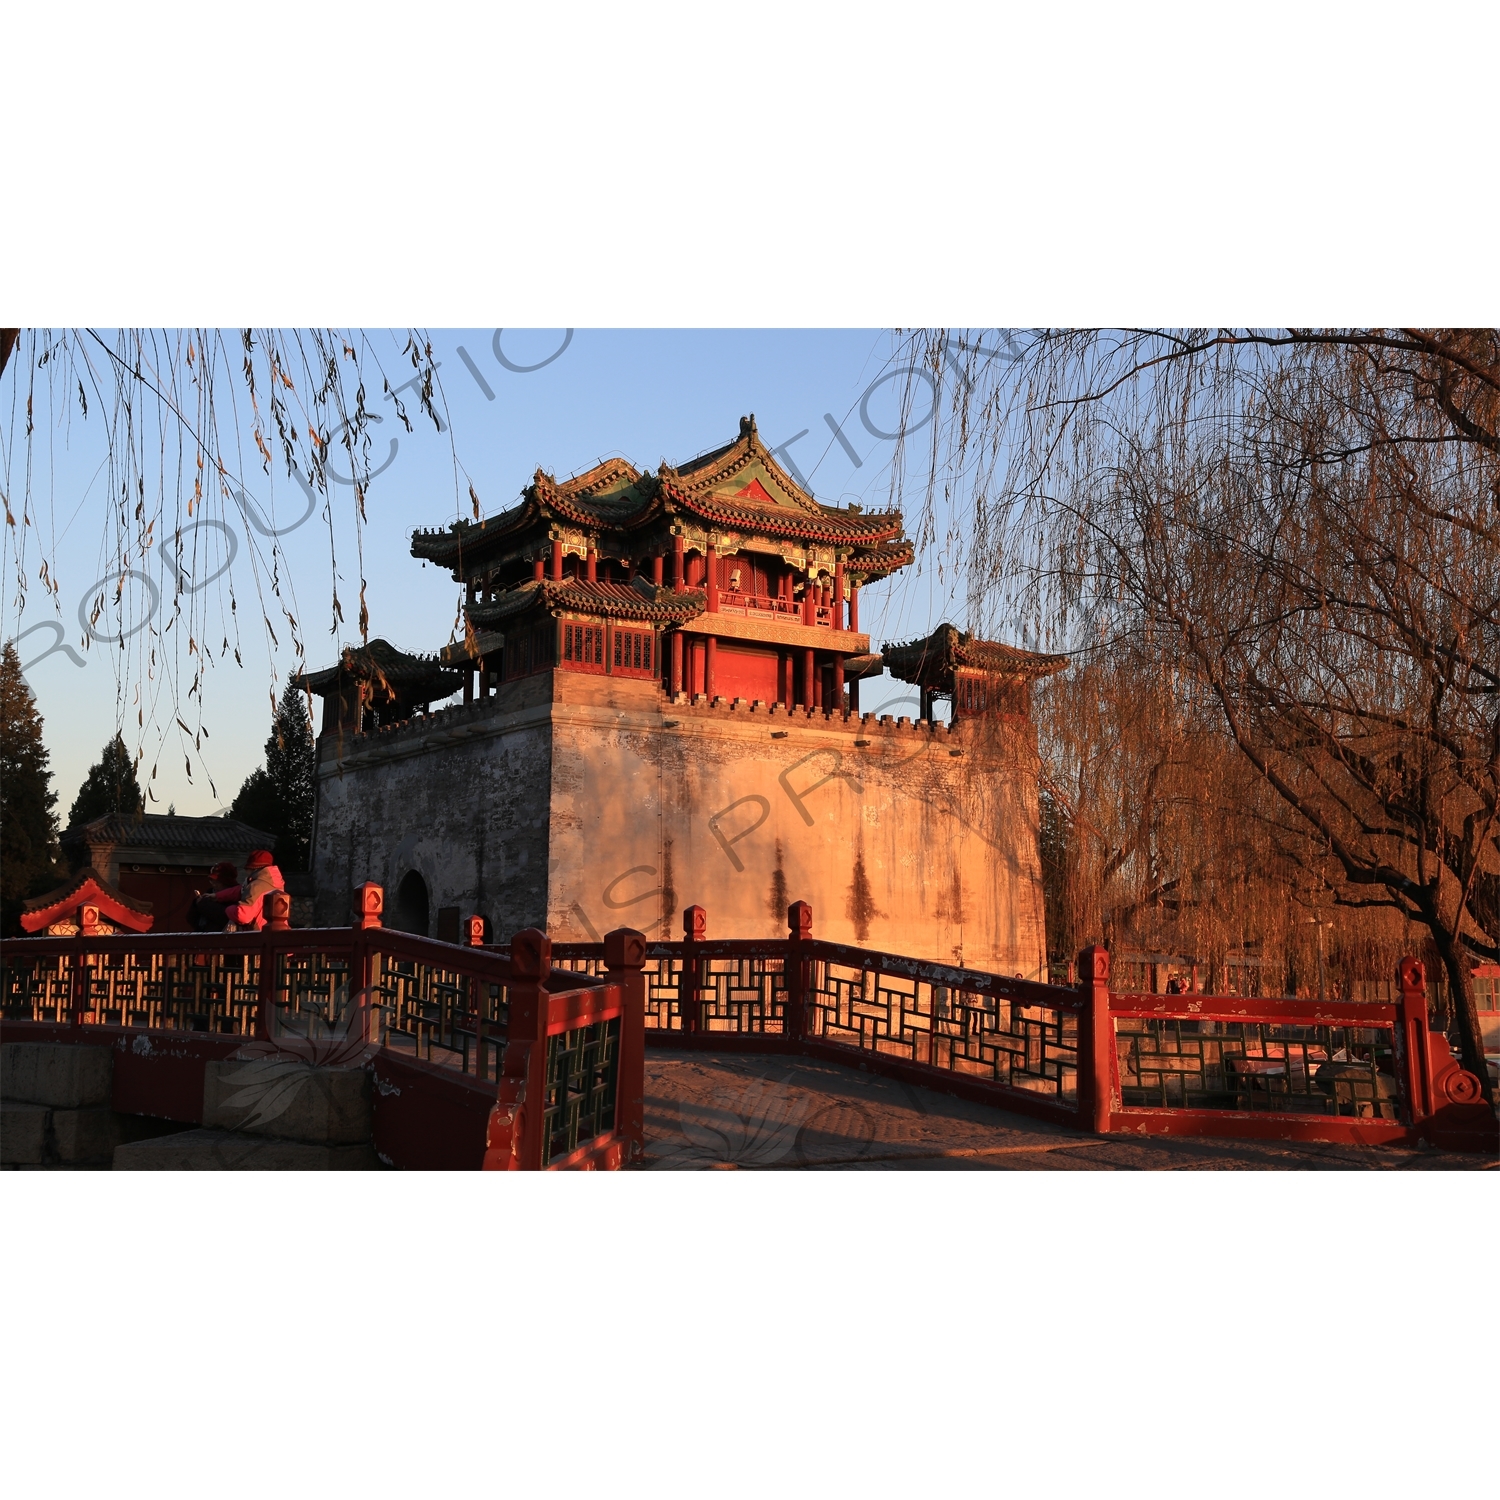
<point x="213" y="992"/>
<point x="743" y="996"/>
<point x="1258" y="1066"/>
<point x="431" y="1005"/>
<point x="581" y="1084"/>
<point x="312" y="997"/>
<point x="1030" y="1047"/>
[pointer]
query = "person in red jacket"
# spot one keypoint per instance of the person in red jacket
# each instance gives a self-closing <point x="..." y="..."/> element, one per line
<point x="261" y="878"/>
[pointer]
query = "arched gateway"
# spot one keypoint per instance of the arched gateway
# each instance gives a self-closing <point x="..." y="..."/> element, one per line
<point x="660" y="676"/>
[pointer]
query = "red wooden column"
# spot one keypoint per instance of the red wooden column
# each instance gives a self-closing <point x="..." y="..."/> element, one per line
<point x="513" y="1138"/>
<point x="658" y="567"/>
<point x="694" y="931"/>
<point x="1096" y="1043"/>
<point x="837" y="706"/>
<point x="810" y="597"/>
<point x="1411" y="977"/>
<point x="799" y="976"/>
<point x="679" y="565"/>
<point x="676" y="662"/>
<point x="557" y="559"/>
<point x="711" y="578"/>
<point x="838" y="594"/>
<point x="808" y="698"/>
<point x="710" y="651"/>
<point x="854" y="606"/>
<point x="539" y="568"/>
<point x="591" y="566"/>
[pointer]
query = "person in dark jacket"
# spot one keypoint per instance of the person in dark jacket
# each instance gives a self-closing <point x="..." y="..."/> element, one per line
<point x="210" y="911"/>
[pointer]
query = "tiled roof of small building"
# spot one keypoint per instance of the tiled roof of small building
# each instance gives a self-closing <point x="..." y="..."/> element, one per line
<point x="404" y="674"/>
<point x="168" y="831"/>
<point x="932" y="661"/>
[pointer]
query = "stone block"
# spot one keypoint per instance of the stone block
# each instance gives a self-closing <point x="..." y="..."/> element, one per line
<point x="235" y="1151"/>
<point x="64" y="1074"/>
<point x="86" y="1135"/>
<point x="23" y="1133"/>
<point x="290" y="1100"/>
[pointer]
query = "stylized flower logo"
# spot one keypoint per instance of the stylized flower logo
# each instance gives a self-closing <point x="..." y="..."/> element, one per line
<point x="280" y="1066"/>
<point x="754" y="1127"/>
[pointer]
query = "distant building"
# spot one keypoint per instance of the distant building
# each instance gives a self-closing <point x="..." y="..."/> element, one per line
<point x="161" y="858"/>
<point x="661" y="708"/>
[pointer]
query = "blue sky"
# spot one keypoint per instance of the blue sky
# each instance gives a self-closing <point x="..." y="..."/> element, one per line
<point x="646" y="394"/>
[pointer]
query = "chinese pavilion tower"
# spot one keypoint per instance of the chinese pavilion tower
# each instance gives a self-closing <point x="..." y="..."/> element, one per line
<point x="660" y="677"/>
<point x="721" y="578"/>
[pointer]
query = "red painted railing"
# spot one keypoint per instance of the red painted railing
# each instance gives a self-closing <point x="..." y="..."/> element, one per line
<point x="1078" y="1054"/>
<point x="169" y="1003"/>
<point x="562" y="1027"/>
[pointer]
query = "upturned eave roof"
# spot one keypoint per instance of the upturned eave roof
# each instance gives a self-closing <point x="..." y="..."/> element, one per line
<point x="737" y="487"/>
<point x="86" y="888"/>
<point x="629" y="601"/>
<point x="935" y="659"/>
<point x="402" y="673"/>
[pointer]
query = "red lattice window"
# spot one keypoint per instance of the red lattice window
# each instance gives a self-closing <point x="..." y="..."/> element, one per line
<point x="634" y="653"/>
<point x="583" y="646"/>
<point x="532" y="652"/>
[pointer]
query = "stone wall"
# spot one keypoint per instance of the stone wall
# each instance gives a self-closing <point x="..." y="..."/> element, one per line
<point x="460" y="797"/>
<point x="585" y="803"/>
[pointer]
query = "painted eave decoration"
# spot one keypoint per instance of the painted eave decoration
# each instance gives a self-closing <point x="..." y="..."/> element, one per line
<point x="85" y="889"/>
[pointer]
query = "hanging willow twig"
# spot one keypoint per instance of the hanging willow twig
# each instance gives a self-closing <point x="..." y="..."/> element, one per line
<point x="195" y="424"/>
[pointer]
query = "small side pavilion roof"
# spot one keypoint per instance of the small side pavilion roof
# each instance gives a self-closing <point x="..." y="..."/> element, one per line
<point x="399" y="674"/>
<point x="936" y="660"/>
<point x="86" y="888"/>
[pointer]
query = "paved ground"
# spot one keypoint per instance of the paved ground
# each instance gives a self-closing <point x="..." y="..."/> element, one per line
<point x="728" y="1110"/>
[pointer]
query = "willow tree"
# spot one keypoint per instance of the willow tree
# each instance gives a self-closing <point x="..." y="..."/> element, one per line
<point x="197" y="428"/>
<point x="1306" y="524"/>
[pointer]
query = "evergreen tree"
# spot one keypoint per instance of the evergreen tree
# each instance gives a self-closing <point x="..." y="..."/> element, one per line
<point x="278" y="796"/>
<point x="109" y="787"/>
<point x="28" y="826"/>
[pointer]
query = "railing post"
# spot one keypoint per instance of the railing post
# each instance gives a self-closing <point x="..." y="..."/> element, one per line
<point x="625" y="964"/>
<point x="1411" y="979"/>
<point x="1096" y="1042"/>
<point x="472" y="936"/>
<point x="694" y="931"/>
<point x="513" y="1138"/>
<point x="799" y="918"/>
<point x="278" y="919"/>
<point x="369" y="902"/>
<point x="88" y="917"/>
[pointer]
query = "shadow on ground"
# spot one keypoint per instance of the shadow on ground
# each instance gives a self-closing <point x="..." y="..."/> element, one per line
<point x="727" y="1110"/>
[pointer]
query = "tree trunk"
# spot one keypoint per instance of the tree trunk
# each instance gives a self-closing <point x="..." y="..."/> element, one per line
<point x="1460" y="985"/>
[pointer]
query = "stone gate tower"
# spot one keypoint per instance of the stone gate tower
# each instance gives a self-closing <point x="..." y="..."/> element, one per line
<point x="660" y="677"/>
